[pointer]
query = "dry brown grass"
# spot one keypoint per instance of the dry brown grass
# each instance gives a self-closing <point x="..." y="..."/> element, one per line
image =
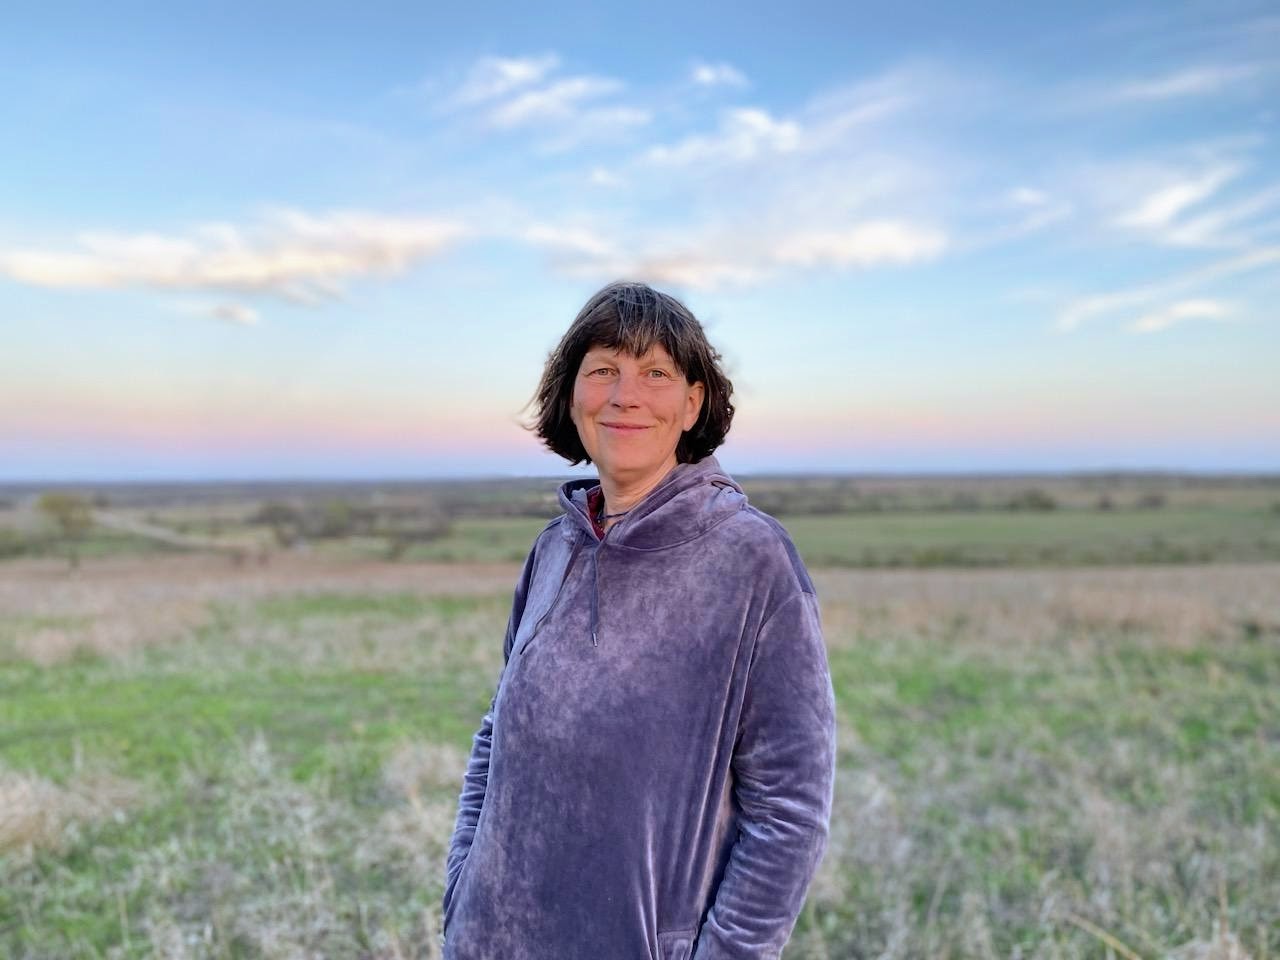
<point x="117" y="606"/>
<point x="37" y="814"/>
<point x="417" y="767"/>
<point x="274" y="880"/>
<point x="423" y="779"/>
<point x="1016" y="609"/>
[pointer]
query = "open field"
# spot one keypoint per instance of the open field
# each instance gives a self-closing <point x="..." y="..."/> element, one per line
<point x="836" y="521"/>
<point x="1176" y="535"/>
<point x="934" y="538"/>
<point x="199" y="760"/>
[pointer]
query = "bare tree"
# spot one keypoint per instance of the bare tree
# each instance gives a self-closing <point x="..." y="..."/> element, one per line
<point x="73" y="515"/>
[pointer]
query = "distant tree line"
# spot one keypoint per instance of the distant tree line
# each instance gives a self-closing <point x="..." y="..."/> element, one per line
<point x="837" y="498"/>
<point x="400" y="524"/>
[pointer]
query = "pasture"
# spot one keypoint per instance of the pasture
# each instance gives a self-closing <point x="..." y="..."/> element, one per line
<point x="201" y="760"/>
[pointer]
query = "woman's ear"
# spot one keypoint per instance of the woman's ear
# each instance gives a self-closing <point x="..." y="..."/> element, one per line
<point x="694" y="407"/>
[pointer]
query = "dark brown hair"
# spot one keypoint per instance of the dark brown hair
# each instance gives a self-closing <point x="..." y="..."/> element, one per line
<point x="632" y="317"/>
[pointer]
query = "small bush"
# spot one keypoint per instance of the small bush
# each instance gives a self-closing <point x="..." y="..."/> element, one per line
<point x="1033" y="499"/>
<point x="12" y="543"/>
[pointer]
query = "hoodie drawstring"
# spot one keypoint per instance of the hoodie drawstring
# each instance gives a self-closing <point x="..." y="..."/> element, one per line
<point x="595" y="591"/>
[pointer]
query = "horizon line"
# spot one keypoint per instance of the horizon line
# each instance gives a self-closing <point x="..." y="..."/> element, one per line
<point x="489" y="477"/>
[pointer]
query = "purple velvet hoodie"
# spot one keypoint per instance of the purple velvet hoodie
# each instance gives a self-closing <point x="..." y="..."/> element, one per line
<point x="653" y="779"/>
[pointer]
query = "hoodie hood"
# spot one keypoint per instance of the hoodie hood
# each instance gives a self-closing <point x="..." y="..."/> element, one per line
<point x="691" y="499"/>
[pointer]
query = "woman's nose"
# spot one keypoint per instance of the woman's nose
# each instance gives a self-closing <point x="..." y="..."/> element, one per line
<point x="624" y="391"/>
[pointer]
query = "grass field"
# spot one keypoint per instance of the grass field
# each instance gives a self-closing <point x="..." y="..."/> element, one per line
<point x="1192" y="534"/>
<point x="197" y="761"/>
<point x="902" y="522"/>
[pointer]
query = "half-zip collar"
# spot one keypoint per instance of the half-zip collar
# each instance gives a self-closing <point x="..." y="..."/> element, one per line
<point x="690" y="499"/>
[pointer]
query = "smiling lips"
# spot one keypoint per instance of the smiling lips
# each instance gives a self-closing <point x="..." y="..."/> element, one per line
<point x="625" y="427"/>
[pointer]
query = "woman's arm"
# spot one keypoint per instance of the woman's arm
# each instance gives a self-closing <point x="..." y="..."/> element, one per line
<point x="784" y="770"/>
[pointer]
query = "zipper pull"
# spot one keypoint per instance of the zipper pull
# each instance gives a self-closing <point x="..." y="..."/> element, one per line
<point x="594" y="642"/>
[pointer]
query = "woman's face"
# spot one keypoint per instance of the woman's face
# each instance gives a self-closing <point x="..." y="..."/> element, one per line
<point x="630" y="411"/>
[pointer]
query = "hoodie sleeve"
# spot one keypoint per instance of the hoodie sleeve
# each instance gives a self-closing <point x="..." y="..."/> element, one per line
<point x="784" y="771"/>
<point x="476" y="779"/>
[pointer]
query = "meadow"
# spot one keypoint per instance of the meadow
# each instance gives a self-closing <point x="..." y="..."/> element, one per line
<point x="1059" y="737"/>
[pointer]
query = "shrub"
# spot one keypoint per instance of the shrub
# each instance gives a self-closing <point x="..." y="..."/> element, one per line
<point x="1033" y="499"/>
<point x="12" y="543"/>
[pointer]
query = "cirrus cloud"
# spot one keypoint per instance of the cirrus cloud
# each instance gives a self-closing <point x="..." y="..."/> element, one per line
<point x="492" y="77"/>
<point x="290" y="255"/>
<point x="868" y="244"/>
<point x="1189" y="82"/>
<point x="717" y="75"/>
<point x="1179" y="312"/>
<point x="745" y="133"/>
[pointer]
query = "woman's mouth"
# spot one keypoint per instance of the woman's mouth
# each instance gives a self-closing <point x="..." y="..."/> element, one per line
<point x="625" y="427"/>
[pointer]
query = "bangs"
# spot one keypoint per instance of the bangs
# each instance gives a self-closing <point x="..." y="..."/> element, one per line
<point x="640" y="318"/>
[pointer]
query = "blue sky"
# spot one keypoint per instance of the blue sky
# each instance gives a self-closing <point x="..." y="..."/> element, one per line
<point x="321" y="241"/>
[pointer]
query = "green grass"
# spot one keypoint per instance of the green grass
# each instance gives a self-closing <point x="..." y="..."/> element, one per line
<point x="1191" y="533"/>
<point x="154" y="725"/>
<point x="159" y="714"/>
<point x="470" y="540"/>
<point x="293" y="609"/>
<point x="162" y="718"/>
<point x="1055" y="538"/>
<point x="942" y="538"/>
<point x="983" y="794"/>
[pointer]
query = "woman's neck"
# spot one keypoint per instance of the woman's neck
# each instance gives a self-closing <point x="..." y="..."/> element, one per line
<point x="621" y="495"/>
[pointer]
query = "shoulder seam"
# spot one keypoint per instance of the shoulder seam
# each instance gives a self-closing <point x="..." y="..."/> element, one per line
<point x="803" y="580"/>
<point x="800" y="594"/>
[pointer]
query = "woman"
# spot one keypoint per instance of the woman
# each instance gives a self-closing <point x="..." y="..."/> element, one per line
<point x="653" y="779"/>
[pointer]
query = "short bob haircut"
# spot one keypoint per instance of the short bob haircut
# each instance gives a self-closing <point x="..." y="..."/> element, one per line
<point x="632" y="317"/>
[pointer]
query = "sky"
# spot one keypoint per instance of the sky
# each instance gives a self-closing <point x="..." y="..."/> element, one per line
<point x="321" y="240"/>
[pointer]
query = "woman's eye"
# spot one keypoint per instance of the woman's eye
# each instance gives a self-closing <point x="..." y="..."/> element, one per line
<point x="659" y="374"/>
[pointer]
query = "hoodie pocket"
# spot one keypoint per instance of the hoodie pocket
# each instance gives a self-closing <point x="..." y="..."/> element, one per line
<point x="676" y="944"/>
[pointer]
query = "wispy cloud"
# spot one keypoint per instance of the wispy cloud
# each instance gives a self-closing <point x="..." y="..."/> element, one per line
<point x="1180" y="312"/>
<point x="237" y="314"/>
<point x="1234" y="224"/>
<point x="291" y="255"/>
<point x="570" y="239"/>
<point x="833" y="116"/>
<point x="691" y="269"/>
<point x="513" y="93"/>
<point x="492" y="77"/>
<point x="745" y="133"/>
<point x="717" y="257"/>
<point x="604" y="177"/>
<point x="1089" y="308"/>
<point x="815" y="188"/>
<point x="595" y="125"/>
<point x="717" y="75"/>
<point x="863" y="245"/>
<point x="558" y="100"/>
<point x="1190" y="82"/>
<point x="822" y="125"/>
<point x="1162" y="206"/>
<point x="1034" y="208"/>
